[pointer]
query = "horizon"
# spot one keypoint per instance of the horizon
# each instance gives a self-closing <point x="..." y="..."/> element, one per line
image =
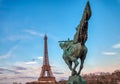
<point x="24" y="23"/>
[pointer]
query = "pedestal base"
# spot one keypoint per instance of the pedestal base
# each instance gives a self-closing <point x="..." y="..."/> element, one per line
<point x="76" y="79"/>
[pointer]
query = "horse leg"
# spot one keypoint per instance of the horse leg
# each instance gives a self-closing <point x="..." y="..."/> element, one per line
<point x="82" y="61"/>
<point x="76" y="64"/>
<point x="83" y="56"/>
<point x="74" y="71"/>
<point x="81" y="66"/>
<point x="69" y="63"/>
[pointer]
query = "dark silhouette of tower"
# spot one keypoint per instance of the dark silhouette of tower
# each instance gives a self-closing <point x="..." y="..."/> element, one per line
<point x="46" y="75"/>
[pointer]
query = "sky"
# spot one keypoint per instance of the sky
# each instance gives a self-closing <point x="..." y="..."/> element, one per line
<point x="23" y="24"/>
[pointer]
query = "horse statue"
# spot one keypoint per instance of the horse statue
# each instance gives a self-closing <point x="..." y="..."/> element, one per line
<point x="72" y="54"/>
<point x="76" y="49"/>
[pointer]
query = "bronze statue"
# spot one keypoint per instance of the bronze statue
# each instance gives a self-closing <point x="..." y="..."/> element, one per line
<point x="76" y="49"/>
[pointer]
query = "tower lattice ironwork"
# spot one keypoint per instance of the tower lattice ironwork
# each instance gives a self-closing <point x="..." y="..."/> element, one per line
<point x="46" y="74"/>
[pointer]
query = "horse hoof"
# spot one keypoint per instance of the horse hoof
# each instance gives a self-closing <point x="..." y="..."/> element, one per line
<point x="74" y="73"/>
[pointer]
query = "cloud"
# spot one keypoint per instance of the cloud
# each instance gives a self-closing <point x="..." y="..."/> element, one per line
<point x="1" y="73"/>
<point x="30" y="73"/>
<point x="6" y="55"/>
<point x="14" y="38"/>
<point x="109" y="53"/>
<point x="19" y="68"/>
<point x="34" y="61"/>
<point x="63" y="78"/>
<point x="9" y="53"/>
<point x="28" y="77"/>
<point x="3" y="70"/>
<point x="116" y="45"/>
<point x="31" y="62"/>
<point x="40" y="58"/>
<point x="58" y="72"/>
<point x="17" y="79"/>
<point x="33" y="32"/>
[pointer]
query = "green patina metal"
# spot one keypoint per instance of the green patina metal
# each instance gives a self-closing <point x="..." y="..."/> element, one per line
<point x="76" y="49"/>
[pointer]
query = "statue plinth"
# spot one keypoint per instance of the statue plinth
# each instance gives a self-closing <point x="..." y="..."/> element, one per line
<point x="76" y="79"/>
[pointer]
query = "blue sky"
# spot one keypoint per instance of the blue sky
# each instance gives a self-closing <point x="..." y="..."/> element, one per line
<point x="23" y="24"/>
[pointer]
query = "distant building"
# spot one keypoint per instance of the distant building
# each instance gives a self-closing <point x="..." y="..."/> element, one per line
<point x="103" y="78"/>
<point x="46" y="76"/>
<point x="62" y="82"/>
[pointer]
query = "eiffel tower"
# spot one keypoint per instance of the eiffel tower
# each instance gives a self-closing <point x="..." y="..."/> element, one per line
<point x="46" y="76"/>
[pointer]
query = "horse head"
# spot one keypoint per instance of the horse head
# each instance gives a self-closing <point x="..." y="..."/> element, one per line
<point x="62" y="45"/>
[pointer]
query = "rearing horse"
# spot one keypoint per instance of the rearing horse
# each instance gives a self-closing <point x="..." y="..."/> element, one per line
<point x="71" y="54"/>
<point x="76" y="49"/>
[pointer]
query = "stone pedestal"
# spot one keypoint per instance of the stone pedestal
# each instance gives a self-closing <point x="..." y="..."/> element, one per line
<point x="76" y="79"/>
